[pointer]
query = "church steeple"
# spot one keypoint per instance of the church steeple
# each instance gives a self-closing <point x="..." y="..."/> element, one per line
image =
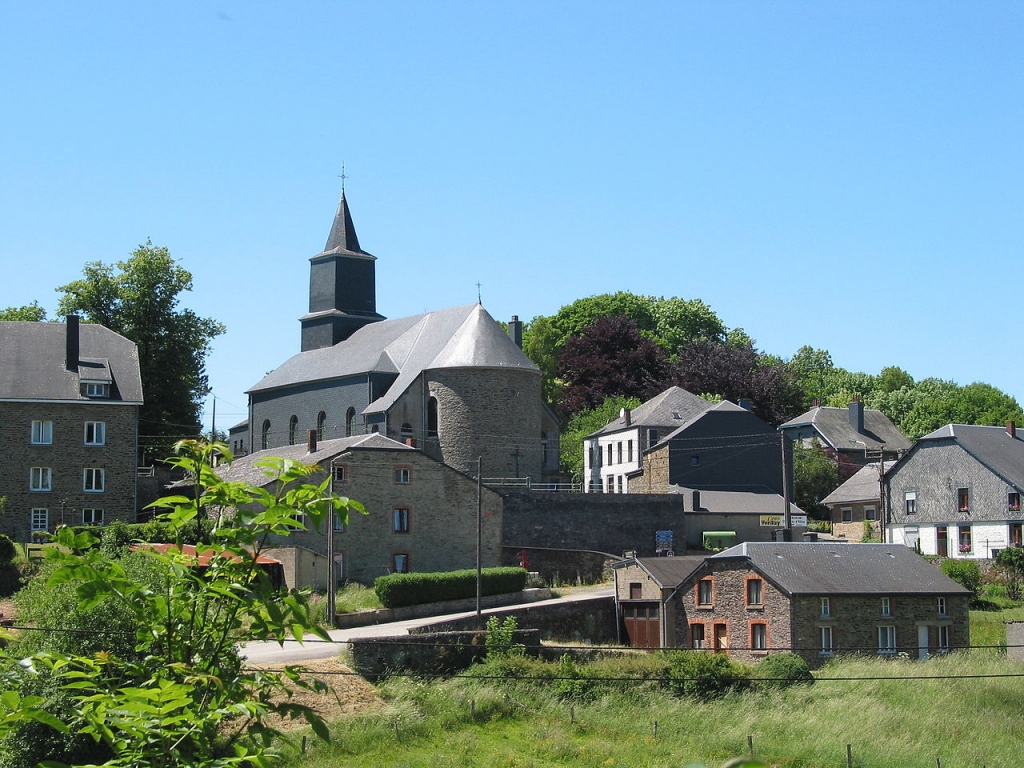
<point x="342" y="286"/>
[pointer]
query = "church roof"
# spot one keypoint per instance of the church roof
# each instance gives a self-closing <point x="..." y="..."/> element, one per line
<point x="342" y="238"/>
<point x="458" y="337"/>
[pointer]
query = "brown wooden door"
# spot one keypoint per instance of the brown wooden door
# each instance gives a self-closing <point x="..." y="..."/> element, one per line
<point x="642" y="624"/>
<point x="942" y="541"/>
<point x="721" y="638"/>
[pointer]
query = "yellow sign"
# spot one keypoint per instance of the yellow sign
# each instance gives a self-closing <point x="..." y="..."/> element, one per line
<point x="771" y="521"/>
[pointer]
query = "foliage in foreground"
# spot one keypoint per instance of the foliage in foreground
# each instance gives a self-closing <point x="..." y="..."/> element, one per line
<point x="173" y="691"/>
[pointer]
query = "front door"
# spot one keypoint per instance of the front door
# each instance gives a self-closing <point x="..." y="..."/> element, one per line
<point x="721" y="638"/>
<point x="922" y="643"/>
<point x="642" y="625"/>
<point x="942" y="541"/>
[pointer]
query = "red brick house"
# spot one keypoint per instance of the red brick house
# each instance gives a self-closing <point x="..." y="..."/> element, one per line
<point x="815" y="599"/>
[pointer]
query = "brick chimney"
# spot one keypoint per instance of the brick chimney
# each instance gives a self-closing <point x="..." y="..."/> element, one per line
<point x="696" y="501"/>
<point x="411" y="442"/>
<point x="72" y="344"/>
<point x="515" y="330"/>
<point x="1011" y="429"/>
<point x="311" y="441"/>
<point x="857" y="415"/>
<point x="627" y="416"/>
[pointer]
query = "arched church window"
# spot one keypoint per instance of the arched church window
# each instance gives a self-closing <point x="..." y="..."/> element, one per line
<point x="293" y="425"/>
<point x="432" y="417"/>
<point x="350" y="422"/>
<point x="321" y="422"/>
<point x="265" y="435"/>
<point x="406" y="430"/>
<point x="544" y="449"/>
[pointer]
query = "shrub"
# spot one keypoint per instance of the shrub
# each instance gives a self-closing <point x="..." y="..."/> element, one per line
<point x="781" y="670"/>
<point x="966" y="573"/>
<point x="703" y="675"/>
<point x="500" y="636"/>
<point x="7" y="550"/>
<point x="400" y="589"/>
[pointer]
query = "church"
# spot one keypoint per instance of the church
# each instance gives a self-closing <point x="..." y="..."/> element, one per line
<point x="451" y="382"/>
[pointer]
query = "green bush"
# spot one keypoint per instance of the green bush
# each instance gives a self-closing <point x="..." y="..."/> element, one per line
<point x="781" y="670"/>
<point x="7" y="550"/>
<point x="10" y="579"/>
<point x="400" y="589"/>
<point x="966" y="573"/>
<point x="703" y="675"/>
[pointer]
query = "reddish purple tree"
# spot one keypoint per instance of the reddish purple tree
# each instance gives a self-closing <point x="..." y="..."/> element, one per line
<point x="607" y="358"/>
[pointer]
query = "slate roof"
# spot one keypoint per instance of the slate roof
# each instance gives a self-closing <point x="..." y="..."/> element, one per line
<point x="828" y="568"/>
<point x="734" y="500"/>
<point x="342" y="238"/>
<point x="667" y="410"/>
<point x="243" y="468"/>
<point x="833" y="425"/>
<point x="666" y="571"/>
<point x="32" y="365"/>
<point x="862" y="486"/>
<point x="992" y="446"/>
<point x="459" y="337"/>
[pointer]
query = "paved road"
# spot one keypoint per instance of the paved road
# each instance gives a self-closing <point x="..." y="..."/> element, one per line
<point x="292" y="652"/>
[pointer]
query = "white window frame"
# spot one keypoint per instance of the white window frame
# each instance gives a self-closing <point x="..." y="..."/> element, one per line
<point x="403" y="476"/>
<point x="94" y="480"/>
<point x="755" y="592"/>
<point x="42" y="432"/>
<point x="870" y="512"/>
<point x="340" y="474"/>
<point x="39" y="519"/>
<point x="696" y="642"/>
<point x="400" y="562"/>
<point x="826" y="640"/>
<point x="40" y="479"/>
<point x="759" y="637"/>
<point x="400" y="520"/>
<point x="92" y="516"/>
<point x="825" y="607"/>
<point x="303" y="523"/>
<point x="846" y="514"/>
<point x="709" y="586"/>
<point x="940" y="606"/>
<point x="95" y="389"/>
<point x="98" y="430"/>
<point x="942" y="633"/>
<point x="910" y="502"/>
<point x="886" y="607"/>
<point x="887" y="639"/>
<point x="339" y="524"/>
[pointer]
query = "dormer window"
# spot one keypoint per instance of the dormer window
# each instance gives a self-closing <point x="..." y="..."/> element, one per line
<point x="96" y="389"/>
<point x="1013" y="501"/>
<point x="963" y="500"/>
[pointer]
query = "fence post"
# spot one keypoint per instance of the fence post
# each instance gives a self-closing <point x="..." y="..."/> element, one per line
<point x="849" y="756"/>
<point x="750" y="745"/>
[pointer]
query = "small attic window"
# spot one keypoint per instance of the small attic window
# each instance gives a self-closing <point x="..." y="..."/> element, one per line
<point x="675" y="415"/>
<point x="95" y="389"/>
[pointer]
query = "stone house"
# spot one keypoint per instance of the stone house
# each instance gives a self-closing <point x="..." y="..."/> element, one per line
<point x="957" y="492"/>
<point x="421" y="514"/>
<point x="816" y="599"/>
<point x="452" y="380"/>
<point x="855" y="506"/>
<point x="852" y="435"/>
<point x="70" y="395"/>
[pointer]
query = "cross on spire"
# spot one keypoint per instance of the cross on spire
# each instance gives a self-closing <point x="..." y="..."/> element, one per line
<point x="342" y="176"/>
<point x="478" y="300"/>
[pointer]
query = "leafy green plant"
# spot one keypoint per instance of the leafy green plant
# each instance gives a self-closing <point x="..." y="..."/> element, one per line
<point x="703" y="675"/>
<point x="500" y="638"/>
<point x="1011" y="561"/>
<point x="966" y="573"/>
<point x="781" y="670"/>
<point x="181" y="696"/>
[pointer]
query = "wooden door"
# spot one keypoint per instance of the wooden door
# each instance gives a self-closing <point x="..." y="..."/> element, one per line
<point x="721" y="638"/>
<point x="942" y="541"/>
<point x="642" y="624"/>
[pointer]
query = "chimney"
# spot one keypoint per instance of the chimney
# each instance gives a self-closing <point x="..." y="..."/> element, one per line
<point x="696" y="501"/>
<point x="411" y="442"/>
<point x="1011" y="429"/>
<point x="311" y="441"/>
<point x="626" y="415"/>
<point x="857" y="415"/>
<point x="816" y="403"/>
<point x="746" y="404"/>
<point x="515" y="330"/>
<point x="71" y="347"/>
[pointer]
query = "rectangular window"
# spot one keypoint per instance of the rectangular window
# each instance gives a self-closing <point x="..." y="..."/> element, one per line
<point x="963" y="500"/>
<point x="339" y="524"/>
<point x="609" y="487"/>
<point x="697" y="639"/>
<point x="299" y="524"/>
<point x="400" y="563"/>
<point x="887" y="639"/>
<point x="652" y="437"/>
<point x="886" y="607"/>
<point x="93" y="389"/>
<point x="910" y="502"/>
<point x="705" y="592"/>
<point x="92" y="517"/>
<point x="695" y="461"/>
<point x="340" y="474"/>
<point x="942" y="638"/>
<point x="629" y="450"/>
<point x="1013" y="501"/>
<point x="40" y="479"/>
<point x="869" y="512"/>
<point x="610" y="448"/>
<point x="619" y="483"/>
<point x="590" y="457"/>
<point x="42" y="432"/>
<point x="847" y="514"/>
<point x="636" y="590"/>
<point x="963" y="533"/>
<point x="94" y="480"/>
<point x="403" y="475"/>
<point x="95" y="433"/>
<point x="755" y="588"/>
<point x="940" y="606"/>
<point x="40" y="520"/>
<point x="618" y="452"/>
<point x="759" y="637"/>
<point x="825" y="606"/>
<point x="825" y="641"/>
<point x="400" y="517"/>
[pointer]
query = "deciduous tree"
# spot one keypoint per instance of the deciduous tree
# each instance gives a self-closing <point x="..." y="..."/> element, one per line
<point x="30" y="312"/>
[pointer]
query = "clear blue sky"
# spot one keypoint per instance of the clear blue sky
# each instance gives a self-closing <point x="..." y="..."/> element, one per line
<point x="844" y="175"/>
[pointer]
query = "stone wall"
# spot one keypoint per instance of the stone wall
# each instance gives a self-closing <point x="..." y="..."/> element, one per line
<point x="561" y="566"/>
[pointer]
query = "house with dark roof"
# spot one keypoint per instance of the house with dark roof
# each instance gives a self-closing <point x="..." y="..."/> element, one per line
<point x="853" y="435"/>
<point x="815" y="599"/>
<point x="452" y="381"/>
<point x="957" y="492"/>
<point x="615" y="451"/>
<point x="70" y="395"/>
<point x="421" y="514"/>
<point x="854" y="507"/>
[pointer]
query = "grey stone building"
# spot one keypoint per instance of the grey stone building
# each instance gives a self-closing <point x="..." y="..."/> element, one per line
<point x="957" y="492"/>
<point x="855" y="506"/>
<point x="814" y="599"/>
<point x="69" y="414"/>
<point x="853" y="434"/>
<point x="421" y="514"/>
<point x="451" y="380"/>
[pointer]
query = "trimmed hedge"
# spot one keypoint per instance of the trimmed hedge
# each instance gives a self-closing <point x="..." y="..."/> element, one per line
<point x="399" y="589"/>
<point x="119" y="534"/>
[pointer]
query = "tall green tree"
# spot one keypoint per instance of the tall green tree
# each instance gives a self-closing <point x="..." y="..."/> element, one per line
<point x="815" y="476"/>
<point x="139" y="299"/>
<point x="585" y="423"/>
<point x="30" y="312"/>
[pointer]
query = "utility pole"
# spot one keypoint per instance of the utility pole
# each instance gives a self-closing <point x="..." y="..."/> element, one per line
<point x="785" y="483"/>
<point x="479" y="532"/>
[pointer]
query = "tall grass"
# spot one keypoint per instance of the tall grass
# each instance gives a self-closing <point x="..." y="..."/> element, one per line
<point x="891" y="712"/>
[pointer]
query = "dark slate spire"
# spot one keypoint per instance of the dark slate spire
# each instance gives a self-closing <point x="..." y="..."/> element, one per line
<point x="342" y="286"/>
<point x="343" y="231"/>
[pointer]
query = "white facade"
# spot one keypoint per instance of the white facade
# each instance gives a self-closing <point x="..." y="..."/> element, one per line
<point x="961" y="540"/>
<point x="609" y="458"/>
